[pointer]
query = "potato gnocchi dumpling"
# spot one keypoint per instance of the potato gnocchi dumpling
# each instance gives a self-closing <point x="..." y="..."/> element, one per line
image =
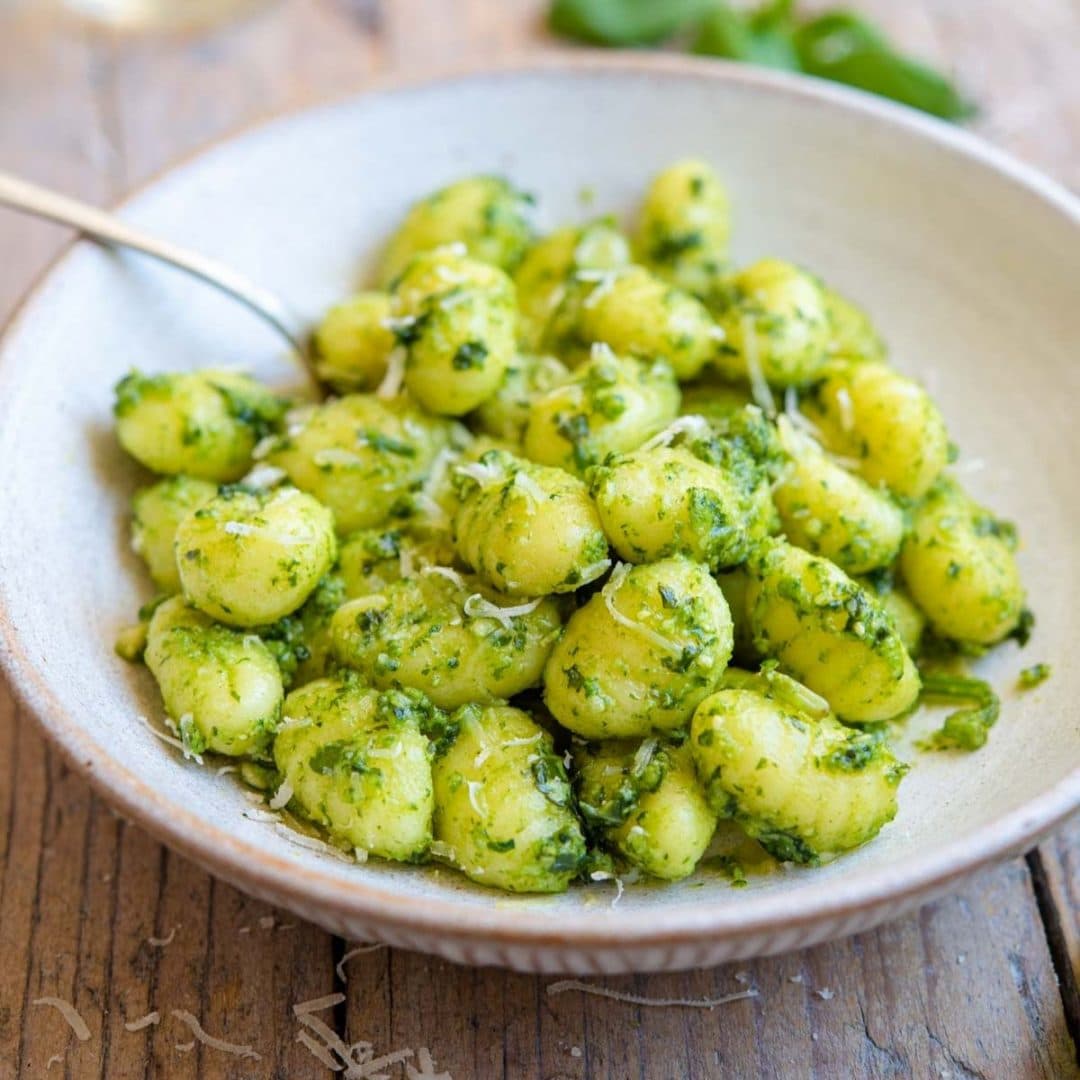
<point x="525" y="529"/>
<point x="883" y="422"/>
<point x="357" y="763"/>
<point x="829" y="633"/>
<point x="959" y="567"/>
<point x="352" y="344"/>
<point x="361" y="456"/>
<point x="641" y="653"/>
<point x="665" y="501"/>
<point x="485" y="214"/>
<point x="550" y="263"/>
<point x="369" y="560"/>
<point x="203" y="424"/>
<point x="611" y="404"/>
<point x="506" y="413"/>
<point x="805" y="787"/>
<point x="645" y="800"/>
<point x="248" y="557"/>
<point x="501" y="578"/>
<point x="503" y="804"/>
<point x="894" y="600"/>
<point x="852" y="335"/>
<point x="449" y="635"/>
<point x="634" y="313"/>
<point x="831" y="512"/>
<point x="221" y="688"/>
<point x="456" y="321"/>
<point x="684" y="226"/>
<point x="156" y="512"/>
<point x="776" y="325"/>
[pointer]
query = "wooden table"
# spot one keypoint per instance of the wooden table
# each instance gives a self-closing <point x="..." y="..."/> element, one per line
<point x="982" y="984"/>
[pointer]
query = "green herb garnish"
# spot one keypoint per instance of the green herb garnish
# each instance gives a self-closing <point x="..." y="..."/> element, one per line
<point x="837" y="45"/>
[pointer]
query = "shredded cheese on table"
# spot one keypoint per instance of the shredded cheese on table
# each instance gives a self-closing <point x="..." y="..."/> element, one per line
<point x="214" y="1043"/>
<point x="565" y="985"/>
<point x="69" y="1013"/>
<point x="339" y="967"/>
<point x="358" y="1060"/>
<point x="149" y="1020"/>
<point x="162" y="942"/>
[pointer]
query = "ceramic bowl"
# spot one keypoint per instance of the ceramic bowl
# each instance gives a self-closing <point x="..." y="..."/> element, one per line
<point x="968" y="261"/>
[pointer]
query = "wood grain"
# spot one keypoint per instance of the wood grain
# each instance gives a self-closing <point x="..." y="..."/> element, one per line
<point x="966" y="988"/>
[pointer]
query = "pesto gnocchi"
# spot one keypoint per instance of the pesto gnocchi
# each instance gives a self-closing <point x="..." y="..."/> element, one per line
<point x="479" y="606"/>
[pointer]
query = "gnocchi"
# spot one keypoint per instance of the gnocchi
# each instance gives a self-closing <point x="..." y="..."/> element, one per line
<point x="481" y="608"/>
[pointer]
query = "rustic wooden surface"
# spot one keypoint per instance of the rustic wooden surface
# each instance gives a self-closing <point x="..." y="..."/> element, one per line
<point x="982" y="984"/>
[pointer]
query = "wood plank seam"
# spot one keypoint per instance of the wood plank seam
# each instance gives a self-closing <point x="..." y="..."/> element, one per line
<point x="1052" y="919"/>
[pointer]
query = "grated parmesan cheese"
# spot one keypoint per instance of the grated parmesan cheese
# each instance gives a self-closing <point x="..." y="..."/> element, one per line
<point x="427" y="1067"/>
<point x="604" y="282"/>
<point x="390" y="386"/>
<point x="358" y="950"/>
<point x="759" y="386"/>
<point x="524" y="741"/>
<point x="149" y="1020"/>
<point x="358" y="1060"/>
<point x="69" y="1013"/>
<point x="476" y="791"/>
<point x="847" y="409"/>
<point x="445" y="572"/>
<point x="594" y="570"/>
<point x="214" y="1043"/>
<point x="608" y="592"/>
<point x="263" y="477"/>
<point x="299" y="839"/>
<point x="176" y="743"/>
<point x="643" y="756"/>
<point x="427" y="507"/>
<point x="319" y="1051"/>
<point x="529" y="486"/>
<point x="693" y="425"/>
<point x="603" y="875"/>
<point x="439" y="849"/>
<point x="163" y="942"/>
<point x="484" y="473"/>
<point x="565" y="985"/>
<point x="282" y="796"/>
<point x="476" y="607"/>
<point x="439" y="466"/>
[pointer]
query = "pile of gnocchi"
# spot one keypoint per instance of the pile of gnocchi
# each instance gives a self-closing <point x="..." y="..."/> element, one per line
<point x="597" y="540"/>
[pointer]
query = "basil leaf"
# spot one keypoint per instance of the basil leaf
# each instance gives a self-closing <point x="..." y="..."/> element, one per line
<point x="847" y="49"/>
<point x="623" y="22"/>
<point x="763" y="37"/>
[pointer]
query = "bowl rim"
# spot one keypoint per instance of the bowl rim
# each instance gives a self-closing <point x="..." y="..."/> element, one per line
<point x="249" y="866"/>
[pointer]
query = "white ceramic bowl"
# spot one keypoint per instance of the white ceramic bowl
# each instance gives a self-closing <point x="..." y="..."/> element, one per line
<point x="968" y="261"/>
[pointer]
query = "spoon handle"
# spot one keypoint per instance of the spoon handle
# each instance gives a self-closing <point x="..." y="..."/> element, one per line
<point x="89" y="220"/>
